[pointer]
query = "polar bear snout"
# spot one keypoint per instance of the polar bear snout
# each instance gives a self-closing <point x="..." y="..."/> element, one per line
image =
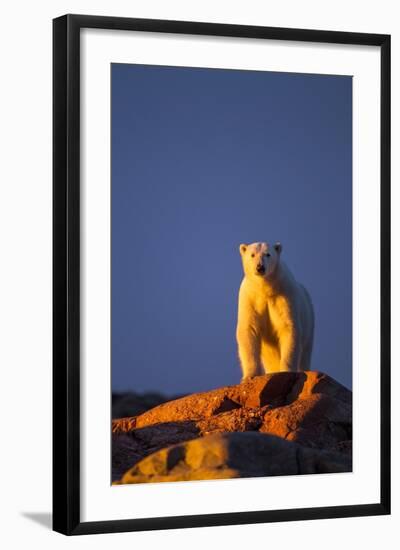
<point x="260" y="269"/>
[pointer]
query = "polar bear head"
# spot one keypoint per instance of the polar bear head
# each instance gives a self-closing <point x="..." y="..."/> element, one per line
<point x="260" y="259"/>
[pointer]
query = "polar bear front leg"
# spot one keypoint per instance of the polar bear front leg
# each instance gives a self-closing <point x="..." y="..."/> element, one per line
<point x="249" y="347"/>
<point x="290" y="350"/>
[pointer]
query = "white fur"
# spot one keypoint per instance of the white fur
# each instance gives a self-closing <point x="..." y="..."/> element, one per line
<point x="275" y="326"/>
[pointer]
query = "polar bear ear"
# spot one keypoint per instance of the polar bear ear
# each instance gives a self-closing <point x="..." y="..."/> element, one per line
<point x="278" y="247"/>
<point x="243" y="248"/>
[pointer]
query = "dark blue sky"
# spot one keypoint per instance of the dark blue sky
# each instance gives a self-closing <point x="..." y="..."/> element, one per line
<point x="203" y="160"/>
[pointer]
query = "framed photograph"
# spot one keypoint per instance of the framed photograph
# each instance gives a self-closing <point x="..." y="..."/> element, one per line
<point x="221" y="274"/>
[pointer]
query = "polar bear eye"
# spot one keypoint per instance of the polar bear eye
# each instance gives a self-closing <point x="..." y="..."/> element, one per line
<point x="268" y="255"/>
<point x="252" y="255"/>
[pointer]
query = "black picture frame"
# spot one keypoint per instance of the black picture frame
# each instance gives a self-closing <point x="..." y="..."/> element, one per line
<point x="66" y="273"/>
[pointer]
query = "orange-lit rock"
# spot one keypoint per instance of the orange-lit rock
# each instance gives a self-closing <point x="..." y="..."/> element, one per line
<point x="306" y="410"/>
<point x="231" y="455"/>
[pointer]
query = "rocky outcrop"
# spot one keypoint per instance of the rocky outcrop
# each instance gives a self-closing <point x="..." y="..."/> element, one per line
<point x="305" y="416"/>
<point x="230" y="455"/>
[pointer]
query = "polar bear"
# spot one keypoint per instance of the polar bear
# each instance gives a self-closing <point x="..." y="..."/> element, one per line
<point x="275" y="327"/>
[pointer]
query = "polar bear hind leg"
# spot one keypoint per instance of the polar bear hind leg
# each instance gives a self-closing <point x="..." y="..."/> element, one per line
<point x="306" y="357"/>
<point x="270" y="358"/>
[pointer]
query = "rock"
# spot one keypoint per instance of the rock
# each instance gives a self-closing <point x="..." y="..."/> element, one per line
<point x="232" y="455"/>
<point x="129" y="448"/>
<point x="317" y="421"/>
<point x="308" y="410"/>
<point x="133" y="404"/>
<point x="125" y="451"/>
